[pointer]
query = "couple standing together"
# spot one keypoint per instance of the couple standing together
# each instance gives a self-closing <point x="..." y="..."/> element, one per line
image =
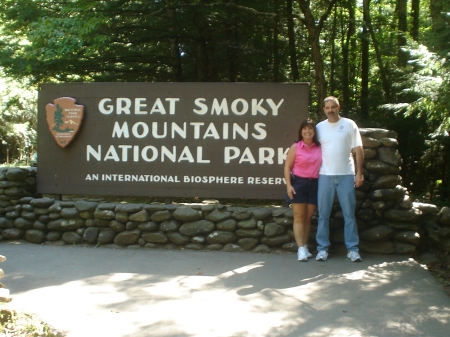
<point x="319" y="165"/>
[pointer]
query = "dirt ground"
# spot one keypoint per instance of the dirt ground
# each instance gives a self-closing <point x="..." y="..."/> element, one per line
<point x="441" y="270"/>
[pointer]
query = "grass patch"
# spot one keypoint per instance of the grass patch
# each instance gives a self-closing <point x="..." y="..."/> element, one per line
<point x="13" y="323"/>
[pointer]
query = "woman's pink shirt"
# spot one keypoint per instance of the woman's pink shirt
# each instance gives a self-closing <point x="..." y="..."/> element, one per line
<point x="307" y="160"/>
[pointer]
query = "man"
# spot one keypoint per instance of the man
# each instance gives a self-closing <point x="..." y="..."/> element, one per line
<point x="338" y="136"/>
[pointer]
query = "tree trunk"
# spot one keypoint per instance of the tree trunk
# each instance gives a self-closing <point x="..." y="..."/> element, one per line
<point x="402" y="29"/>
<point x="231" y="34"/>
<point x="314" y="35"/>
<point x="348" y="45"/>
<point x="275" y="52"/>
<point x="291" y="40"/>
<point x="436" y="8"/>
<point x="383" y="74"/>
<point x="333" y="52"/>
<point x="415" y="13"/>
<point x="365" y="69"/>
<point x="201" y="46"/>
<point x="174" y="47"/>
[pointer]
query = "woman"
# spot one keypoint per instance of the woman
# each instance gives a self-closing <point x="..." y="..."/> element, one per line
<point x="301" y="172"/>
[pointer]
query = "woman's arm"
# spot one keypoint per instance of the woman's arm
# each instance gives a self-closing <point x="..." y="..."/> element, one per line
<point x="288" y="169"/>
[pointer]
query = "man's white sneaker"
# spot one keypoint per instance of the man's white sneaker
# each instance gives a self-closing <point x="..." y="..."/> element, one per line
<point x="301" y="254"/>
<point x="354" y="256"/>
<point x="322" y="255"/>
<point x="308" y="253"/>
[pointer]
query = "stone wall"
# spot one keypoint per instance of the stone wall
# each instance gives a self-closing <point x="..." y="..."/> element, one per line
<point x="388" y="221"/>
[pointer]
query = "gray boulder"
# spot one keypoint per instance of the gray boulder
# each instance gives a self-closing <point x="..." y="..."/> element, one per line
<point x="155" y="237"/>
<point x="377" y="233"/>
<point x="127" y="238"/>
<point x="187" y="214"/>
<point x="444" y="216"/>
<point x="218" y="215"/>
<point x="72" y="238"/>
<point x="227" y="225"/>
<point x="221" y="237"/>
<point x="273" y="229"/>
<point x="197" y="227"/>
<point x="35" y="236"/>
<point x="90" y="235"/>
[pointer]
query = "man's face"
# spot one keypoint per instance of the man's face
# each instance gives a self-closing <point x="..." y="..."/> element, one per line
<point x="331" y="110"/>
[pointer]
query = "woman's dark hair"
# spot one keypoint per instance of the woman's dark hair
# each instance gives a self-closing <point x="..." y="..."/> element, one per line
<point x="305" y="123"/>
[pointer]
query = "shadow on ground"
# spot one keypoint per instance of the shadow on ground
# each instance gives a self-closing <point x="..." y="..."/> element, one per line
<point x="113" y="292"/>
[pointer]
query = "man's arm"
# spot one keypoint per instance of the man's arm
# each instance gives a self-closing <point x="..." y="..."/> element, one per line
<point x="359" y="154"/>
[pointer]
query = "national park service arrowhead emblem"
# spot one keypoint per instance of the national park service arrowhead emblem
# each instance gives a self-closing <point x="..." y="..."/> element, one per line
<point x="64" y="119"/>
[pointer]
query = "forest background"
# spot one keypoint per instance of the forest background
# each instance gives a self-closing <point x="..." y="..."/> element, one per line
<point x="387" y="61"/>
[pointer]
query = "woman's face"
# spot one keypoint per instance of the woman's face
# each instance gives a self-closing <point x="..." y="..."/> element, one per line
<point x="308" y="133"/>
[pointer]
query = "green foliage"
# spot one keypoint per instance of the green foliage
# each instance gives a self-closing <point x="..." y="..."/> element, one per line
<point x="243" y="40"/>
<point x="18" y="124"/>
<point x="135" y="41"/>
<point x="421" y="116"/>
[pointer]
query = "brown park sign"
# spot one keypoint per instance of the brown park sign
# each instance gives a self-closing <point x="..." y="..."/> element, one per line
<point x="209" y="140"/>
<point x="64" y="119"/>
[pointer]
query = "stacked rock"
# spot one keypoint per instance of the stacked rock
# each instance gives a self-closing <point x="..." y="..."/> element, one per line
<point x="437" y="227"/>
<point x="16" y="183"/>
<point x="388" y="220"/>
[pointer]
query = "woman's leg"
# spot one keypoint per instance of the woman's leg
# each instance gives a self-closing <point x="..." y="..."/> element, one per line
<point x="299" y="211"/>
<point x="310" y="210"/>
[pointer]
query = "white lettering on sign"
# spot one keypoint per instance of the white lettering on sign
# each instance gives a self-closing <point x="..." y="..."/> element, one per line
<point x="238" y="106"/>
<point x="158" y="178"/>
<point x="138" y="105"/>
<point x="265" y="181"/>
<point x="199" y="130"/>
<point x="140" y="178"/>
<point x="266" y="155"/>
<point x="125" y="153"/>
<point x="213" y="179"/>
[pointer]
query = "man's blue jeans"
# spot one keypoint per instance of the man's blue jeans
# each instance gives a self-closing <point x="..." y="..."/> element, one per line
<point x="344" y="186"/>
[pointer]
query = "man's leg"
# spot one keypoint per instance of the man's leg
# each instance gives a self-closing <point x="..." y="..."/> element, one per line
<point x="346" y="193"/>
<point x="325" y="199"/>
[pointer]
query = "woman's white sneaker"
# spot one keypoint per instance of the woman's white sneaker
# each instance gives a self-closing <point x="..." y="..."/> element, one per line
<point x="301" y="254"/>
<point x="308" y="254"/>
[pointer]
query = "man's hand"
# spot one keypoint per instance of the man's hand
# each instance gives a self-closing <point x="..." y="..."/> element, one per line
<point x="359" y="179"/>
<point x="359" y="154"/>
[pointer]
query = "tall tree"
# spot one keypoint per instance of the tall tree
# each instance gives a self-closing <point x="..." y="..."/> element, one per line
<point x="365" y="73"/>
<point x="291" y="40"/>
<point x="402" y="30"/>
<point x="382" y="70"/>
<point x="232" y="44"/>
<point x="275" y="44"/>
<point x="415" y="14"/>
<point x="334" y="59"/>
<point x="348" y="47"/>
<point x="174" y="44"/>
<point x="314" y="28"/>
